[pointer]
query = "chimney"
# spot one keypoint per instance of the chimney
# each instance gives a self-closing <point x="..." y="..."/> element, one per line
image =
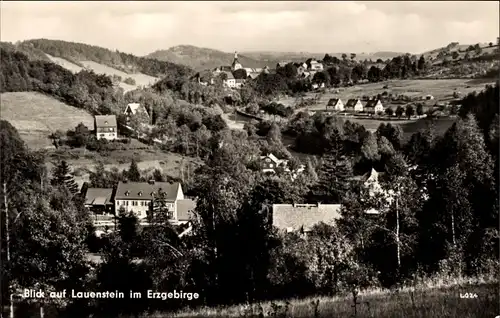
<point x="152" y="181"/>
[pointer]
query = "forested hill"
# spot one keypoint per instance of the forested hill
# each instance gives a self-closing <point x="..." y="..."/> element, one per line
<point x="76" y="52"/>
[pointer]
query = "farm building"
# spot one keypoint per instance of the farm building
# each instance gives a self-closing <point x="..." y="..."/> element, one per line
<point x="354" y="105"/>
<point x="302" y="217"/>
<point x="374" y="106"/>
<point x="335" y="104"/>
<point x="106" y="127"/>
<point x="270" y="162"/>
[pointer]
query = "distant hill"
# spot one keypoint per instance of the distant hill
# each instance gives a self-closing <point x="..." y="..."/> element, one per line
<point x="203" y="58"/>
<point x="74" y="56"/>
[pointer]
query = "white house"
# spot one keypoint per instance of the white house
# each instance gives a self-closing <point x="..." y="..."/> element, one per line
<point x="374" y="106"/>
<point x="106" y="127"/>
<point x="230" y="81"/>
<point x="354" y="105"/>
<point x="316" y="66"/>
<point x="336" y="104"/>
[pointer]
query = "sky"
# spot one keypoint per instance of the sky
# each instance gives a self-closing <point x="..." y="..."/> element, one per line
<point x="141" y="27"/>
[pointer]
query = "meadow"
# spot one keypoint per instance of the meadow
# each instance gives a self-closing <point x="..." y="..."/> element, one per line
<point x="72" y="67"/>
<point x="83" y="161"/>
<point x="36" y="116"/>
<point x="423" y="302"/>
<point x="140" y="79"/>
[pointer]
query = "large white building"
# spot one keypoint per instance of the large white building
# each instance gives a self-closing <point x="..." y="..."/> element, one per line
<point x="138" y="197"/>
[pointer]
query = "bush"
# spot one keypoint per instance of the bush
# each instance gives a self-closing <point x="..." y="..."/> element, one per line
<point x="129" y="81"/>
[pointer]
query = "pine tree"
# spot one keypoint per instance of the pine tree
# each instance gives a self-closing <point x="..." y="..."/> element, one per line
<point x="333" y="178"/>
<point x="62" y="176"/>
<point x="133" y="172"/>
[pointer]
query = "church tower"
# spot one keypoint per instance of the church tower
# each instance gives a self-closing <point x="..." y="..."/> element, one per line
<point x="236" y="65"/>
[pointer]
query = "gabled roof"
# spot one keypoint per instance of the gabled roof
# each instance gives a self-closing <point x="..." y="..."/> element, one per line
<point x="253" y="75"/>
<point x="372" y="103"/>
<point x="135" y="108"/>
<point x="146" y="191"/>
<point x="333" y="101"/>
<point x="293" y="217"/>
<point x="272" y="157"/>
<point x="352" y="102"/>
<point x="98" y="196"/>
<point x="229" y="75"/>
<point x="105" y="121"/>
<point x="185" y="209"/>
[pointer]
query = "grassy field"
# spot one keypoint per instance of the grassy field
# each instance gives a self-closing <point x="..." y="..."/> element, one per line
<point x="442" y="90"/>
<point x="72" y="67"/>
<point x="36" y="116"/>
<point x="83" y="162"/>
<point x="140" y="79"/>
<point x="421" y="303"/>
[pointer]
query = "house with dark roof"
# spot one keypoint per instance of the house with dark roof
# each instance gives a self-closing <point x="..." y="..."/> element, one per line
<point x="138" y="197"/>
<point x="99" y="200"/>
<point x="374" y="106"/>
<point x="302" y="217"/>
<point x="106" y="127"/>
<point x="270" y="162"/>
<point x="335" y="104"/>
<point x="354" y="105"/>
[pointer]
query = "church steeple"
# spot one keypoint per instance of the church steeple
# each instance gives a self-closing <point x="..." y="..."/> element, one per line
<point x="236" y="65"/>
<point x="235" y="56"/>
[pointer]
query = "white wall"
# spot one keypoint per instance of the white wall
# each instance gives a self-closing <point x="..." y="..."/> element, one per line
<point x="106" y="135"/>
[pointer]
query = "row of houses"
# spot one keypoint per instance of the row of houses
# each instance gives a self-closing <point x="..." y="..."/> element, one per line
<point x="373" y="106"/>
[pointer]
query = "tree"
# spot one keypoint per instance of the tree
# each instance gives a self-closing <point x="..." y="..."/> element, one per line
<point x="389" y="112"/>
<point x="399" y="111"/>
<point x="410" y="111"/>
<point x="353" y="56"/>
<point x="455" y="55"/>
<point x="62" y="176"/>
<point x="240" y="74"/>
<point x="333" y="178"/>
<point x="420" y="109"/>
<point x="344" y="56"/>
<point x="133" y="174"/>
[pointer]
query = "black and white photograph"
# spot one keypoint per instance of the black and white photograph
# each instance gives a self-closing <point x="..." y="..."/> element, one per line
<point x="217" y="159"/>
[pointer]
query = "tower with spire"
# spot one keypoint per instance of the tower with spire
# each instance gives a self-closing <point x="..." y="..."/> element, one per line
<point x="236" y="64"/>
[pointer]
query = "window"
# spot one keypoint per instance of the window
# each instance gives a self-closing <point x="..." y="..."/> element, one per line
<point x="270" y="165"/>
<point x="102" y="135"/>
<point x="126" y="203"/>
<point x="117" y="202"/>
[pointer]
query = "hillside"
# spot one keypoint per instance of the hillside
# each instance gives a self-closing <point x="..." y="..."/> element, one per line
<point x="203" y="58"/>
<point x="127" y="70"/>
<point x="36" y="116"/>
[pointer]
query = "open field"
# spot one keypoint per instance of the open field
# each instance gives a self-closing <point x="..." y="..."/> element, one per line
<point x="140" y="79"/>
<point x="36" y="116"/>
<point x="422" y="303"/>
<point x="72" y="67"/>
